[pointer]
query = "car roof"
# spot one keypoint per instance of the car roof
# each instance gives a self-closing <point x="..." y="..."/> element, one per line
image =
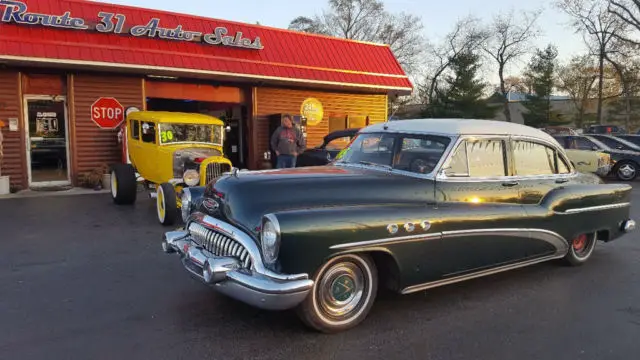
<point x="340" y="133"/>
<point x="175" y="117"/>
<point x="459" y="127"/>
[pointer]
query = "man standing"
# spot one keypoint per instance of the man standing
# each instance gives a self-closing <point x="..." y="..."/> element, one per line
<point x="287" y="142"/>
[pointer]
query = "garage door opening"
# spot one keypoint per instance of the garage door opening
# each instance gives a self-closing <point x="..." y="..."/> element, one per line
<point x="234" y="116"/>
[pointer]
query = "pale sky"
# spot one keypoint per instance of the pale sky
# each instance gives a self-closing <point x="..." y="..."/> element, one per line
<point x="438" y="17"/>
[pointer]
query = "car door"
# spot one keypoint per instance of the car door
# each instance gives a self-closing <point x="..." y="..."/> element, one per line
<point x="478" y="211"/>
<point x="538" y="168"/>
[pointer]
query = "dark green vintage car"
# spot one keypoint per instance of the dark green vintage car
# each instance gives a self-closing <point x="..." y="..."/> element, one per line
<point x="408" y="205"/>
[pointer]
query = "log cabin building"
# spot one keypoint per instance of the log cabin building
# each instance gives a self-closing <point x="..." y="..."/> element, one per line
<point x="68" y="67"/>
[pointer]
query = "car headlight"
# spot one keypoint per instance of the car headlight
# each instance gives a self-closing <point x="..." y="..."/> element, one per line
<point x="186" y="200"/>
<point x="191" y="177"/>
<point x="270" y="239"/>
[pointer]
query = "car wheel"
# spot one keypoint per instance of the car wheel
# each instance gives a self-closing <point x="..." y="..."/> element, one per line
<point x="580" y="249"/>
<point x="343" y="293"/>
<point x="166" y="204"/>
<point x="626" y="171"/>
<point x="124" y="187"/>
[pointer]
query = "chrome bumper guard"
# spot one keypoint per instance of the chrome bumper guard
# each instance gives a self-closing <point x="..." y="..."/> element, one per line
<point x="256" y="286"/>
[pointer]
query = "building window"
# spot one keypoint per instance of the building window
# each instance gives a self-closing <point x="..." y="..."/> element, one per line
<point x="337" y="123"/>
<point x="356" y="122"/>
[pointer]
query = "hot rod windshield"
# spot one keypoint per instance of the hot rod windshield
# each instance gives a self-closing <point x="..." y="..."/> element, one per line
<point x="414" y="153"/>
<point x="190" y="133"/>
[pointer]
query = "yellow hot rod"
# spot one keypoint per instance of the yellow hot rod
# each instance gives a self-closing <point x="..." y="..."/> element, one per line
<point x="167" y="151"/>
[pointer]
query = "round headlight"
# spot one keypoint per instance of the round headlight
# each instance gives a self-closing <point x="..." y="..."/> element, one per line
<point x="185" y="204"/>
<point x="270" y="239"/>
<point x="191" y="177"/>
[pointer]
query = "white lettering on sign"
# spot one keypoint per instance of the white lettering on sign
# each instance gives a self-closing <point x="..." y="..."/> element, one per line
<point x="107" y="113"/>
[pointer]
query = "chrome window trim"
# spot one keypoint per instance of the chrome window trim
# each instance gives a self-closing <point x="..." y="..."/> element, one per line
<point x="442" y="177"/>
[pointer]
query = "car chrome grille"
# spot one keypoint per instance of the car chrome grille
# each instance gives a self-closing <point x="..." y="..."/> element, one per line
<point x="219" y="244"/>
<point x="215" y="170"/>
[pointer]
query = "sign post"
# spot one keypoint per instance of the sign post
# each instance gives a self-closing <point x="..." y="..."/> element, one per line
<point x="107" y="113"/>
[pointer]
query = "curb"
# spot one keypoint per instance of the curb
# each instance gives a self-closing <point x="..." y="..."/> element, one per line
<point x="37" y="194"/>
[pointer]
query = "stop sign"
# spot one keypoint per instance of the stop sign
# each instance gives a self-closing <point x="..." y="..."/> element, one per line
<point x="107" y="113"/>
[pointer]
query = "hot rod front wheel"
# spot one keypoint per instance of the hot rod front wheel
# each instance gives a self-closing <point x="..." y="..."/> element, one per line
<point x="343" y="293"/>
<point x="580" y="249"/>
<point x="166" y="204"/>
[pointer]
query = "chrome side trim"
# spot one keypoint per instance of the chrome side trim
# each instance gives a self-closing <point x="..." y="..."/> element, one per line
<point x="386" y="241"/>
<point x="553" y="238"/>
<point x="594" y="208"/>
<point x="433" y="284"/>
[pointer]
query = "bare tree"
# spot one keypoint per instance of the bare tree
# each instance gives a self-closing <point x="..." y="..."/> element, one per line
<point x="627" y="11"/>
<point x="627" y="71"/>
<point x="466" y="36"/>
<point x="600" y="29"/>
<point x="367" y="20"/>
<point x="509" y="39"/>
<point x="577" y="79"/>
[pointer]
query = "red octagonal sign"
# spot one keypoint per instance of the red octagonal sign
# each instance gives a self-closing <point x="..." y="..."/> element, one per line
<point x="107" y="113"/>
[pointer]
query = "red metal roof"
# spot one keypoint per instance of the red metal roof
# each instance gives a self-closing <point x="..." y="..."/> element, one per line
<point x="286" y="55"/>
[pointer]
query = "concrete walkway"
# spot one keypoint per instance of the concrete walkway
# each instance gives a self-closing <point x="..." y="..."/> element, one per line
<point x="43" y="193"/>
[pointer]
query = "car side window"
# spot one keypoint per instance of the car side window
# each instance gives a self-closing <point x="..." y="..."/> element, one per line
<point x="581" y="143"/>
<point x="135" y="129"/>
<point x="533" y="159"/>
<point x="338" y="144"/>
<point x="148" y="132"/>
<point x="480" y="158"/>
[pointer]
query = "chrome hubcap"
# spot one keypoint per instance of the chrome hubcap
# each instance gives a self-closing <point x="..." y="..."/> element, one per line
<point x="626" y="171"/>
<point x="114" y="184"/>
<point x="341" y="290"/>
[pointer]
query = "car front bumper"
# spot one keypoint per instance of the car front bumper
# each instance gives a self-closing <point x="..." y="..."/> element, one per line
<point x="255" y="286"/>
<point x="603" y="170"/>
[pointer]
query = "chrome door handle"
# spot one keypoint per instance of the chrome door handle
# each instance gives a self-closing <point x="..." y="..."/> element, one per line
<point x="509" y="183"/>
<point x="561" y="181"/>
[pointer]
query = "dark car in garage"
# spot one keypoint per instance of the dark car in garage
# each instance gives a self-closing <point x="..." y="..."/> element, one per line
<point x="332" y="144"/>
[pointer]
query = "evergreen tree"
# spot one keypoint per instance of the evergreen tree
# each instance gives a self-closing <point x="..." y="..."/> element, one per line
<point x="463" y="94"/>
<point x="541" y="74"/>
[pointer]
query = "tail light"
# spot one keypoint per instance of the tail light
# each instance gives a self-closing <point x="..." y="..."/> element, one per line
<point x="199" y="159"/>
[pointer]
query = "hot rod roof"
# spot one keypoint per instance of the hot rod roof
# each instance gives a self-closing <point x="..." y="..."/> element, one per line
<point x="175" y="117"/>
<point x="459" y="127"/>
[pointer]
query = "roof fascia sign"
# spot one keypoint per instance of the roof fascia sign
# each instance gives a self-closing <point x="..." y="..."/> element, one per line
<point x="114" y="23"/>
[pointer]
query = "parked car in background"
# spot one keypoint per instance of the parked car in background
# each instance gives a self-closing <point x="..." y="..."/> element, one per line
<point x="625" y="164"/>
<point x="615" y="142"/>
<point x="587" y="160"/>
<point x="634" y="139"/>
<point x="328" y="150"/>
<point x="605" y="129"/>
<point x="409" y="205"/>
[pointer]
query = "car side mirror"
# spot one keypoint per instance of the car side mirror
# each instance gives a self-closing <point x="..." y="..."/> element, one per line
<point x="619" y="147"/>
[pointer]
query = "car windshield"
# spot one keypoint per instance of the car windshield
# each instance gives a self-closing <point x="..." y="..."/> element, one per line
<point x="407" y="152"/>
<point x="190" y="133"/>
<point x="599" y="143"/>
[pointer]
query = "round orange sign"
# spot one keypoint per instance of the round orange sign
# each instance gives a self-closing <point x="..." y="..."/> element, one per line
<point x="312" y="110"/>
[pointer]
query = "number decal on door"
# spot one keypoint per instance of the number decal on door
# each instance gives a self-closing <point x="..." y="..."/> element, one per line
<point x="166" y="136"/>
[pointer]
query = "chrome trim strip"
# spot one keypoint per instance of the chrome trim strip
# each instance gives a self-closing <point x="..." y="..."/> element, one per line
<point x="555" y="239"/>
<point x="437" y="283"/>
<point x="594" y="208"/>
<point x="387" y="241"/>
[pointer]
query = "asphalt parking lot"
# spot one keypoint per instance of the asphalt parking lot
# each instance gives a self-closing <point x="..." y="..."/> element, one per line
<point x="83" y="279"/>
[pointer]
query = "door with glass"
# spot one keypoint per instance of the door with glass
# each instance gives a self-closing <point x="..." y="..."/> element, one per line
<point x="47" y="140"/>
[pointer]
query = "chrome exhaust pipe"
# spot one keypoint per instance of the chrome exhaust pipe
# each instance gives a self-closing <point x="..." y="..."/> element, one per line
<point x="629" y="226"/>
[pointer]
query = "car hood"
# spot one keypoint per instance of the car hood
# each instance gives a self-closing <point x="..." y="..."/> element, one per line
<point x="246" y="196"/>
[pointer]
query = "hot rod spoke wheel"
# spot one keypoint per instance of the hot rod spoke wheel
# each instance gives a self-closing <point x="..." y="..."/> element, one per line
<point x="343" y="294"/>
<point x="581" y="248"/>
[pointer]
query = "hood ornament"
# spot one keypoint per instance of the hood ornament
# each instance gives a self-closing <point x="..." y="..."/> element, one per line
<point x="234" y="171"/>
